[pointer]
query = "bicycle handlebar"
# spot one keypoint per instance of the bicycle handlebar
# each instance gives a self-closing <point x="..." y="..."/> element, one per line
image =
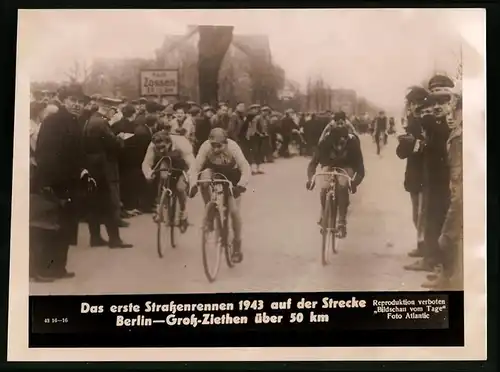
<point x="161" y="161"/>
<point x="335" y="172"/>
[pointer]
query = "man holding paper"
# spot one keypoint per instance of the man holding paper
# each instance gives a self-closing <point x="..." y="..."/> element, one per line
<point x="101" y="147"/>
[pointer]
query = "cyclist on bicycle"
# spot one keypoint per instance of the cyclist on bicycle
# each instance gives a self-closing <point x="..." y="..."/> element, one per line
<point x="219" y="154"/>
<point x="338" y="149"/>
<point x="180" y="151"/>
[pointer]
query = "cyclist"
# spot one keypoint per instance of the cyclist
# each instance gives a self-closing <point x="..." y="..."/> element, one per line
<point x="179" y="149"/>
<point x="338" y="149"/>
<point x="219" y="154"/>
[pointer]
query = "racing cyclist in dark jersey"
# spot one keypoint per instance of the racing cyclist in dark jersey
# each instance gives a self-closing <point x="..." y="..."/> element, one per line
<point x="338" y="148"/>
<point x="220" y="154"/>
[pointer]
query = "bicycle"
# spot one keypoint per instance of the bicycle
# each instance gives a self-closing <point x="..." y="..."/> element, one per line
<point x="167" y="204"/>
<point x="329" y="216"/>
<point x="217" y="221"/>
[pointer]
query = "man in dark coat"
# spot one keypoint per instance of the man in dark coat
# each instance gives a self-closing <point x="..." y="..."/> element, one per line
<point x="60" y="178"/>
<point x="203" y="126"/>
<point x="101" y="147"/>
<point x="408" y="149"/>
<point x="129" y="162"/>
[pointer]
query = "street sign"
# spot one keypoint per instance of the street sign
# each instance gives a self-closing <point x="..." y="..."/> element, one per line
<point x="159" y="82"/>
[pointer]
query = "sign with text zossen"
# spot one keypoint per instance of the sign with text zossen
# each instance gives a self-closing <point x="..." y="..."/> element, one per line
<point x="159" y="82"/>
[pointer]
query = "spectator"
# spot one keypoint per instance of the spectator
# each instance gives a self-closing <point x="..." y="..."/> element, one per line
<point x="102" y="147"/>
<point x="409" y="148"/>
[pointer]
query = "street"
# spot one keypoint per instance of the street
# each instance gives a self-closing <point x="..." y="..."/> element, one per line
<point x="281" y="241"/>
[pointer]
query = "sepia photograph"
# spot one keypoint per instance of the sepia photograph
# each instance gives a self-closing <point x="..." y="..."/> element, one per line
<point x="196" y="175"/>
<point x="205" y="151"/>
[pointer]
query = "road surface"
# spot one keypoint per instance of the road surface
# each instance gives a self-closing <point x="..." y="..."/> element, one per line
<point x="281" y="242"/>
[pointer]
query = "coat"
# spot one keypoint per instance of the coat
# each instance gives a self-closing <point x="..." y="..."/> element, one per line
<point x="453" y="224"/>
<point x="413" y="181"/>
<point x="59" y="165"/>
<point x="101" y="148"/>
<point x="436" y="177"/>
<point x="236" y="127"/>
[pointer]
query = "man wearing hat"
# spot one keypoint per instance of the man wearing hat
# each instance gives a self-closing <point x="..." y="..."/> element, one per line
<point x="408" y="148"/>
<point x="236" y="128"/>
<point x="221" y="118"/>
<point x="267" y="153"/>
<point x="202" y="127"/>
<point x="60" y="176"/>
<point x="254" y="134"/>
<point x="287" y="127"/>
<point x="181" y="124"/>
<point x="102" y="147"/>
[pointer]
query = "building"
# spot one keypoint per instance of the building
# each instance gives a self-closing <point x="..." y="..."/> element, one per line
<point x="246" y="74"/>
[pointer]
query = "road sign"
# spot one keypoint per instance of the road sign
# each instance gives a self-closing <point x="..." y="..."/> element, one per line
<point x="159" y="82"/>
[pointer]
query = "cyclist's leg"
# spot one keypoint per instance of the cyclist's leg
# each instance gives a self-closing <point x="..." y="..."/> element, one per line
<point x="234" y="205"/>
<point x="181" y="186"/>
<point x="343" y="201"/>
<point x="204" y="188"/>
<point x="323" y="185"/>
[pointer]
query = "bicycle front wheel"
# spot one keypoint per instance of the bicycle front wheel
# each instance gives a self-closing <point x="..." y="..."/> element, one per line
<point x="162" y="218"/>
<point x="212" y="244"/>
<point x="328" y="241"/>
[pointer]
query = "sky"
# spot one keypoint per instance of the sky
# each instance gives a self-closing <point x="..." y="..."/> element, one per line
<point x="379" y="53"/>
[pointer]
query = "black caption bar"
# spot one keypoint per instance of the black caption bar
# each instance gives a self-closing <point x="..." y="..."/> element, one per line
<point x="251" y="320"/>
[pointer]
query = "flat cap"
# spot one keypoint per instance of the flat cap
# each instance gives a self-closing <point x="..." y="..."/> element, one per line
<point x="181" y="105"/>
<point x="208" y="108"/>
<point x="95" y="97"/>
<point x="440" y="81"/>
<point x="417" y="94"/>
<point x="254" y="106"/>
<point x="143" y="100"/>
<point x="194" y="110"/>
<point x="266" y="108"/>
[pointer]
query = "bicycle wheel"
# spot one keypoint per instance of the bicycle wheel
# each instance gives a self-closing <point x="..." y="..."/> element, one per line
<point x="162" y="221"/>
<point x="328" y="240"/>
<point x="212" y="241"/>
<point x="171" y="219"/>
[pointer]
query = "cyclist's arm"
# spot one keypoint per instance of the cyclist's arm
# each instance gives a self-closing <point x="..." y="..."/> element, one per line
<point x="241" y="162"/>
<point x="198" y="162"/>
<point x="358" y="163"/>
<point x="313" y="164"/>
<point x="148" y="162"/>
<point x="185" y="148"/>
<point x="325" y="132"/>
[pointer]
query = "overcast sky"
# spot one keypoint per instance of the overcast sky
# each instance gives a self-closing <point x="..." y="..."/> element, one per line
<point x="377" y="52"/>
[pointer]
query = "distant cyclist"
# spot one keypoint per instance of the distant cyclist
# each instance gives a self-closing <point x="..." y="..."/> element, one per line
<point x="219" y="154"/>
<point x="381" y="126"/>
<point x="179" y="149"/>
<point x="342" y="150"/>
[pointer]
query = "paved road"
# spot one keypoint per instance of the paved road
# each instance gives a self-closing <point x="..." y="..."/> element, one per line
<point x="281" y="242"/>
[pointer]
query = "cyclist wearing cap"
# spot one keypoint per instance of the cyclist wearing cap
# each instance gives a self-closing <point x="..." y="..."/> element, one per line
<point x="342" y="150"/>
<point x="180" y="151"/>
<point x="339" y="120"/>
<point x="219" y="154"/>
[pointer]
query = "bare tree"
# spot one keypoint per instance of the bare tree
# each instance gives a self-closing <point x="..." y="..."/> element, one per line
<point x="79" y="72"/>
